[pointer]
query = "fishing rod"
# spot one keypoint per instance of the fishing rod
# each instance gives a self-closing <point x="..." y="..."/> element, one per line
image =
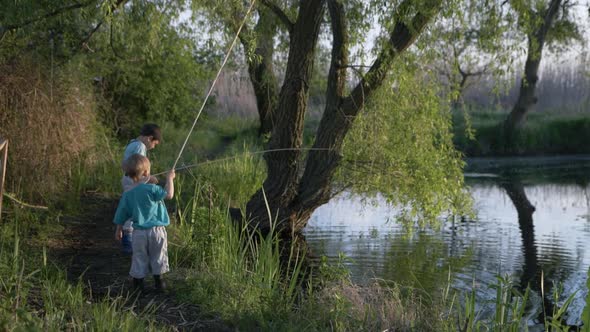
<point x="207" y="162"/>
<point x="229" y="51"/>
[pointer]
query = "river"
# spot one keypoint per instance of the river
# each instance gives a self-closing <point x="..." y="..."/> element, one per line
<point x="532" y="217"/>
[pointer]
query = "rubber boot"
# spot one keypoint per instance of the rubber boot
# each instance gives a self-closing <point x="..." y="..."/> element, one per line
<point x="138" y="284"/>
<point x="159" y="283"/>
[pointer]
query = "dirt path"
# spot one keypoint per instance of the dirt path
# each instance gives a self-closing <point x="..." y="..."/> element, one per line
<point x="89" y="250"/>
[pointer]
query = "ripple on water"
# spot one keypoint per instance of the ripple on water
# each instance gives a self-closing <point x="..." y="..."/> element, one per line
<point x="555" y="239"/>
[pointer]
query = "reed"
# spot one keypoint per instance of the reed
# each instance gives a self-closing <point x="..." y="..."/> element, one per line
<point x="542" y="134"/>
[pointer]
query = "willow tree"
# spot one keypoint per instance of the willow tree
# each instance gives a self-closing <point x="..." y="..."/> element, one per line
<point x="478" y="40"/>
<point x="378" y="133"/>
<point x="544" y="22"/>
<point x="259" y="38"/>
<point x="63" y="26"/>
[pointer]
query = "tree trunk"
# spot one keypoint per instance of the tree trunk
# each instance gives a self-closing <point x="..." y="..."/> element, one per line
<point x="526" y="97"/>
<point x="291" y="197"/>
<point x="279" y="188"/>
<point x="261" y="71"/>
<point x="457" y="103"/>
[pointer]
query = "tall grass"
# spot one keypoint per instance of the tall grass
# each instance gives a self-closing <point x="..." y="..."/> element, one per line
<point x="36" y="295"/>
<point x="51" y="125"/>
<point x="262" y="283"/>
<point x="512" y="311"/>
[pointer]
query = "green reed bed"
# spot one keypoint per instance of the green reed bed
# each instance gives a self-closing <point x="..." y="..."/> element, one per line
<point x="478" y="134"/>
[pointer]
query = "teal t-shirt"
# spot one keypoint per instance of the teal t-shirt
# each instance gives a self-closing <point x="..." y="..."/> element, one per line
<point x="144" y="204"/>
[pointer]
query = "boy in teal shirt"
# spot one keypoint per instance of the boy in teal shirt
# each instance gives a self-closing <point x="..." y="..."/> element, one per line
<point x="149" y="136"/>
<point x="144" y="204"/>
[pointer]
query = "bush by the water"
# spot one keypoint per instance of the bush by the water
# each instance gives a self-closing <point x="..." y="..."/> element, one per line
<point x="51" y="126"/>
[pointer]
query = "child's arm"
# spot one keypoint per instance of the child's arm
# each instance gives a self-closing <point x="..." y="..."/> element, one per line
<point x="119" y="233"/>
<point x="121" y="216"/>
<point x="170" y="184"/>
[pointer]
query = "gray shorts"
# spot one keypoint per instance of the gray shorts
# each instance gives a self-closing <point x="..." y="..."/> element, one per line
<point x="150" y="252"/>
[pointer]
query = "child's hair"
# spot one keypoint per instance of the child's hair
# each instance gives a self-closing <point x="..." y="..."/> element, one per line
<point x="151" y="129"/>
<point x="136" y="165"/>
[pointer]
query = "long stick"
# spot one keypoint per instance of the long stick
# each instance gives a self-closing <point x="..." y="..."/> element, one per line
<point x="214" y="82"/>
<point x="23" y="204"/>
<point x="3" y="163"/>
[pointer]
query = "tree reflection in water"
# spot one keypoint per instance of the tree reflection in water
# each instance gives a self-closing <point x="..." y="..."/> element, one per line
<point x="424" y="263"/>
<point x="533" y="274"/>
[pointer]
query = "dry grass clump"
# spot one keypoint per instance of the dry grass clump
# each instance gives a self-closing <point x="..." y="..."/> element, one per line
<point x="375" y="308"/>
<point x="50" y="125"/>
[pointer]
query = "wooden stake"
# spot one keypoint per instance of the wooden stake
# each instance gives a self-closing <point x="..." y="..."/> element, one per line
<point x="3" y="162"/>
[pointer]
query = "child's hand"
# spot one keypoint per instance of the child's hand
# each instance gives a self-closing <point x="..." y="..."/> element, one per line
<point x="171" y="175"/>
<point x="118" y="234"/>
<point x="153" y="180"/>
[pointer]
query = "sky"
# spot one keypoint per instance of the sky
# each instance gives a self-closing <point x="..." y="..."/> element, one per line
<point x="570" y="56"/>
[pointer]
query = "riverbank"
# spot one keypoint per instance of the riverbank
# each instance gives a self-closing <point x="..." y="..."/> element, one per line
<point x="219" y="274"/>
<point x="543" y="134"/>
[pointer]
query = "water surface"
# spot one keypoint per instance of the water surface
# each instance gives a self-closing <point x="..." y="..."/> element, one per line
<point x="532" y="217"/>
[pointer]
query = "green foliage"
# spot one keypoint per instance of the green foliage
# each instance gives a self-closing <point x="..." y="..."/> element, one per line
<point x="471" y="39"/>
<point x="401" y="147"/>
<point x="66" y="62"/>
<point x="141" y="56"/>
<point x="148" y="66"/>
<point x="563" y="31"/>
<point x="53" y="30"/>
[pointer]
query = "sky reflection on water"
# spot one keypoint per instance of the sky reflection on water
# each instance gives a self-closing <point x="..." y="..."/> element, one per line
<point x="555" y="239"/>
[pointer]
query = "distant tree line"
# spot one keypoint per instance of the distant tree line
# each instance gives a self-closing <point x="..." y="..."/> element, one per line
<point x="562" y="88"/>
